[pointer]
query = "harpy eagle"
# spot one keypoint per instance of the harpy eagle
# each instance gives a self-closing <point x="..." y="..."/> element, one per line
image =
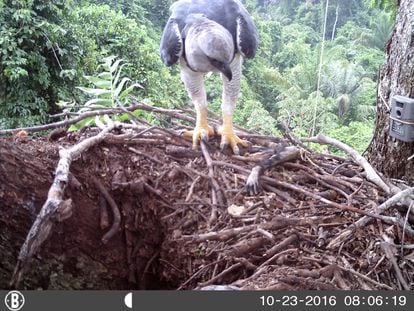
<point x="210" y="36"/>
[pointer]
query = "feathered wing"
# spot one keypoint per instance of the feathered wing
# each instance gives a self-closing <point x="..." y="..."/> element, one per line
<point x="247" y="36"/>
<point x="171" y="47"/>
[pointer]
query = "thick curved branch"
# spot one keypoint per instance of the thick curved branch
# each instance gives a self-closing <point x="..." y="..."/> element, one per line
<point x="369" y="170"/>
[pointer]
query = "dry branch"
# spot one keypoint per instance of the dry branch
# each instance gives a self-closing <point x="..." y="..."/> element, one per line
<point x="43" y="224"/>
<point x="79" y="117"/>
<point x="387" y="248"/>
<point x="369" y="170"/>
<point x="275" y="224"/>
<point x="221" y="274"/>
<point x="314" y="201"/>
<point x="362" y="222"/>
<point x="216" y="195"/>
<point x="280" y="246"/>
<point x="115" y="210"/>
<point x="67" y="122"/>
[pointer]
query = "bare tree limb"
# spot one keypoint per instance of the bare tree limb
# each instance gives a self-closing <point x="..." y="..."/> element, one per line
<point x="55" y="204"/>
<point x="401" y="196"/>
<point x="65" y="123"/>
<point x="369" y="170"/>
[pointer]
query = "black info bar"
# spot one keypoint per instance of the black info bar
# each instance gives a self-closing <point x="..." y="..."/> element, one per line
<point x="205" y="300"/>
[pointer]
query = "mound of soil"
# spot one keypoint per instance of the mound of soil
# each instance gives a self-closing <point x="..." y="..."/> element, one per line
<point x="183" y="218"/>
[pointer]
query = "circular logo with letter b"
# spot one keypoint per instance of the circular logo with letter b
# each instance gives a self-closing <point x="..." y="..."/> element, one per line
<point x="14" y="300"/>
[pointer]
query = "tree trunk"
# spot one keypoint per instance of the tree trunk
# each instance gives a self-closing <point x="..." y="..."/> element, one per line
<point x="388" y="155"/>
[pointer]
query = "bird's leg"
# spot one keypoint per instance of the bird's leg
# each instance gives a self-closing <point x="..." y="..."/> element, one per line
<point x="202" y="129"/>
<point x="231" y="91"/>
<point x="194" y="82"/>
<point x="228" y="137"/>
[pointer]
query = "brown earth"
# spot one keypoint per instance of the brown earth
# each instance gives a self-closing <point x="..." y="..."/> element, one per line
<point x="176" y="231"/>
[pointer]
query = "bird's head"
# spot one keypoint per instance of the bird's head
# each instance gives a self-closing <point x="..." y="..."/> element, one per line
<point x="207" y="44"/>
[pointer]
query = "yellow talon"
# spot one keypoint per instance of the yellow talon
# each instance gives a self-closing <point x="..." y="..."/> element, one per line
<point x="199" y="133"/>
<point x="229" y="138"/>
<point x="233" y="141"/>
<point x="202" y="129"/>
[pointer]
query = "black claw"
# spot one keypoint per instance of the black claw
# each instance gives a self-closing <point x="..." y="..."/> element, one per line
<point x="250" y="190"/>
<point x="256" y="189"/>
<point x="204" y="137"/>
<point x="224" y="146"/>
<point x="253" y="188"/>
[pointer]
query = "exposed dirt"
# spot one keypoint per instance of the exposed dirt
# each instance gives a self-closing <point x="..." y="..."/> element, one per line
<point x="169" y="238"/>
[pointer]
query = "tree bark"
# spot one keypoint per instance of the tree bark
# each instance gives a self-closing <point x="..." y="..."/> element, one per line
<point x="388" y="155"/>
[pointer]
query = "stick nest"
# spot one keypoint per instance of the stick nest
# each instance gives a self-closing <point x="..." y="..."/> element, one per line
<point x="302" y="231"/>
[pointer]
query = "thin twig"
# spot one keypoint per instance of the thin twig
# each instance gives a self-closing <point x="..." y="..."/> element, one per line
<point x="66" y="122"/>
<point x="386" y="247"/>
<point x="115" y="210"/>
<point x="215" y="189"/>
<point x="362" y="222"/>
<point x="221" y="274"/>
<point x="364" y="277"/>
<point x="145" y="155"/>
<point x="406" y="224"/>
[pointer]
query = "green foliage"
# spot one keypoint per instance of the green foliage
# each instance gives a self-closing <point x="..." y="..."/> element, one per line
<point x="253" y="116"/>
<point x="270" y="39"/>
<point x="381" y="24"/>
<point x="297" y="112"/>
<point x="110" y="87"/>
<point x="286" y="82"/>
<point x="49" y="48"/>
<point x="356" y="134"/>
<point x="345" y="82"/>
<point x="386" y="5"/>
<point x="288" y="7"/>
<point x="105" y="32"/>
<point x="249" y="113"/>
<point x="29" y="68"/>
<point x="142" y="10"/>
<point x="296" y="41"/>
<point x="46" y="49"/>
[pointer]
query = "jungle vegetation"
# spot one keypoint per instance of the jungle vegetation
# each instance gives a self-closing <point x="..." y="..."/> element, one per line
<point x="316" y="72"/>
